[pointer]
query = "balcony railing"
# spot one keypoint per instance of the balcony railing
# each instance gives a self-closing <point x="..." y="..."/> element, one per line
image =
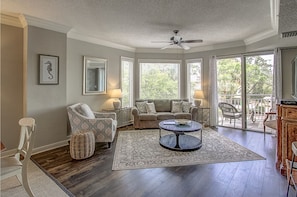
<point x="257" y="106"/>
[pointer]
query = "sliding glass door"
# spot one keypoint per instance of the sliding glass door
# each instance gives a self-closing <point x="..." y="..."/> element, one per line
<point x="246" y="84"/>
<point x="229" y="91"/>
<point x="259" y="88"/>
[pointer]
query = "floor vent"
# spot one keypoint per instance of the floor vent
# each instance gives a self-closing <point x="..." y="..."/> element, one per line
<point x="289" y="34"/>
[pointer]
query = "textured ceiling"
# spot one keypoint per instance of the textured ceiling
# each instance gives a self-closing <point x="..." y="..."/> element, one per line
<point x="288" y="15"/>
<point x="136" y="23"/>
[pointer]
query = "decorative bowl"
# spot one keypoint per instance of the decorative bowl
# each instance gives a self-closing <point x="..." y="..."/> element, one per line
<point x="182" y="121"/>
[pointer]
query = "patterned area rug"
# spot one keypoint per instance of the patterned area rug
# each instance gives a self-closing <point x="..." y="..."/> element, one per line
<point x="141" y="149"/>
<point x="40" y="183"/>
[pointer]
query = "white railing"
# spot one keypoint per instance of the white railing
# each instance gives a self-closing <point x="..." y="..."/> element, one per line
<point x="258" y="104"/>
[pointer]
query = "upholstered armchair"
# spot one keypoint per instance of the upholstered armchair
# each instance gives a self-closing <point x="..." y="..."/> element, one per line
<point x="103" y="124"/>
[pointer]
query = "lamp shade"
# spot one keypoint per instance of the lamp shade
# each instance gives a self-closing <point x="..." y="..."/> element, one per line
<point x="116" y="93"/>
<point x="198" y="94"/>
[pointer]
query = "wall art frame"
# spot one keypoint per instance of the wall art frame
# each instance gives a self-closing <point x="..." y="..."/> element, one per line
<point x="94" y="76"/>
<point x="48" y="69"/>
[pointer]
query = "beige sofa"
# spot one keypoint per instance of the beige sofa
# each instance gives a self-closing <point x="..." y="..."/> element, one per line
<point x="165" y="109"/>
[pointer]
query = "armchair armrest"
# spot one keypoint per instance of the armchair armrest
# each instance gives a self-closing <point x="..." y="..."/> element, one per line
<point x="135" y="111"/>
<point x="267" y="116"/>
<point x="194" y="112"/>
<point x="105" y="115"/>
<point x="270" y="113"/>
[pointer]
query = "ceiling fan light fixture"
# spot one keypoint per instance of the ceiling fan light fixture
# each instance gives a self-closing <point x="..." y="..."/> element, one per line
<point x="177" y="41"/>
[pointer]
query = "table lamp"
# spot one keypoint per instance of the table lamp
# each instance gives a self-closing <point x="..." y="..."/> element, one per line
<point x="198" y="96"/>
<point x="116" y="93"/>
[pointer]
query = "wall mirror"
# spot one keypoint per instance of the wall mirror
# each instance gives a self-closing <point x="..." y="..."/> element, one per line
<point x="94" y="76"/>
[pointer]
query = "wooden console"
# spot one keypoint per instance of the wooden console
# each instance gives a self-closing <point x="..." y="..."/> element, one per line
<point x="286" y="134"/>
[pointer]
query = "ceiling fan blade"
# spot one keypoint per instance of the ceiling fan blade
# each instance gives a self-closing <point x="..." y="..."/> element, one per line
<point x="185" y="47"/>
<point x="168" y="46"/>
<point x="161" y="41"/>
<point x="191" y="41"/>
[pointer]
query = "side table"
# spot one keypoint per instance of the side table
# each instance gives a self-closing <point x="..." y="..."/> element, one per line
<point x="124" y="115"/>
<point x="204" y="116"/>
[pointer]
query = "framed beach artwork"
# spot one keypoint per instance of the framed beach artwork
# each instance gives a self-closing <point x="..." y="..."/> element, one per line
<point x="48" y="70"/>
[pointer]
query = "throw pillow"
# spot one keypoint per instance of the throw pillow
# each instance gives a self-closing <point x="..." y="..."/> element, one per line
<point x="186" y="106"/>
<point x="86" y="111"/>
<point x="141" y="106"/>
<point x="176" y="106"/>
<point x="150" y="108"/>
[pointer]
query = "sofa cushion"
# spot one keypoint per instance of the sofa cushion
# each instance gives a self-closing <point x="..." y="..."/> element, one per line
<point x="141" y="106"/>
<point x="165" y="115"/>
<point x="183" y="116"/>
<point x="186" y="106"/>
<point x="148" y="116"/>
<point x="176" y="106"/>
<point x="150" y="108"/>
<point x="162" y="105"/>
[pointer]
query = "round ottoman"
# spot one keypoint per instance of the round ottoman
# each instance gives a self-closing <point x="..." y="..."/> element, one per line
<point x="82" y="145"/>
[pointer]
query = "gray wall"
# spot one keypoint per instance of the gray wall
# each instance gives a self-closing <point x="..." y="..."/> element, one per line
<point x="76" y="50"/>
<point x="46" y="103"/>
<point x="287" y="57"/>
<point x="12" y="85"/>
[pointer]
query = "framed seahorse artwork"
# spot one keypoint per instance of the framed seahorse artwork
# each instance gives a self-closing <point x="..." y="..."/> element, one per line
<point x="48" y="69"/>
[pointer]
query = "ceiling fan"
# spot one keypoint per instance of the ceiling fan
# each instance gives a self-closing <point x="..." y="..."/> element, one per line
<point x="178" y="41"/>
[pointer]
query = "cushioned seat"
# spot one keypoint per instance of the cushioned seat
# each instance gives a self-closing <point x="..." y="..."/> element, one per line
<point x="165" y="116"/>
<point x="148" y="117"/>
<point x="270" y="123"/>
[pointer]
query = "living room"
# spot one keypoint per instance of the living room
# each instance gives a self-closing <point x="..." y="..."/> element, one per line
<point x="25" y="37"/>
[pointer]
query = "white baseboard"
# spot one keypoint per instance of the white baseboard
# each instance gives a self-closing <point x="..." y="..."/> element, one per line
<point x="49" y="147"/>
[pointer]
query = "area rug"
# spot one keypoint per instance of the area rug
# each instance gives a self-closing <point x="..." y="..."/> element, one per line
<point x="39" y="182"/>
<point x="138" y="149"/>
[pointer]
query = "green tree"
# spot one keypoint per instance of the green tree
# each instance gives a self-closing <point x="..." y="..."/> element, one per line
<point x="258" y="75"/>
<point x="159" y="83"/>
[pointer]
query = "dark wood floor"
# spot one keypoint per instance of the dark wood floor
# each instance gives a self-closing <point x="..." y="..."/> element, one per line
<point x="94" y="177"/>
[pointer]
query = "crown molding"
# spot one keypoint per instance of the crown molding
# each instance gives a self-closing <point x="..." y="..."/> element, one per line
<point x="238" y="43"/>
<point x="37" y="22"/>
<point x="79" y="36"/>
<point x="13" y="19"/>
<point x="158" y="50"/>
<point x="260" y="36"/>
<point x="274" y="13"/>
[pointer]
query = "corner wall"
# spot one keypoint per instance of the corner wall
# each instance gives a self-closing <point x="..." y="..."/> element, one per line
<point x="11" y="84"/>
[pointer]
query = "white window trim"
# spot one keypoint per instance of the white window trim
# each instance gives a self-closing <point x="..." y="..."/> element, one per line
<point x="131" y="78"/>
<point x="188" y="61"/>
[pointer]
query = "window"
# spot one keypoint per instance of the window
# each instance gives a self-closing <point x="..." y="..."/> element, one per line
<point x="127" y="81"/>
<point x="159" y="79"/>
<point x="194" y="76"/>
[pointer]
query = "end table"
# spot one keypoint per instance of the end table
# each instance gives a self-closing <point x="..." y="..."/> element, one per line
<point x="124" y="115"/>
<point x="204" y="116"/>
